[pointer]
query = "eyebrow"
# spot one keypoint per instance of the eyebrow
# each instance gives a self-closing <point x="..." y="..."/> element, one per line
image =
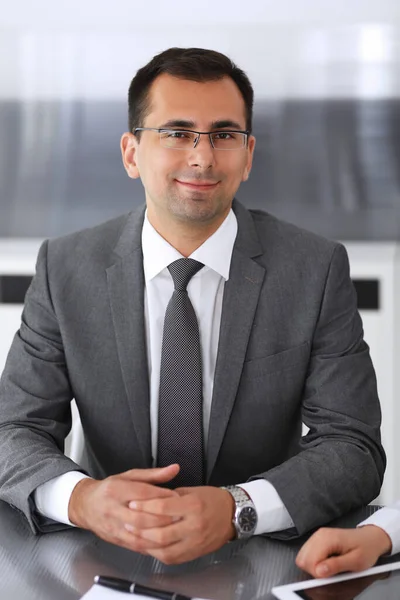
<point x="220" y="124"/>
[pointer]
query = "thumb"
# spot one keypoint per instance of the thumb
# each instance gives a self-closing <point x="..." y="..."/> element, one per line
<point x="155" y="475"/>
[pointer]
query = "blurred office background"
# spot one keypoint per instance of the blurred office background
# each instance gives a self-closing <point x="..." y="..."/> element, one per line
<point x="326" y="75"/>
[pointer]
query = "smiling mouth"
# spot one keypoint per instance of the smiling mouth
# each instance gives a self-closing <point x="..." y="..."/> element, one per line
<point x="198" y="185"/>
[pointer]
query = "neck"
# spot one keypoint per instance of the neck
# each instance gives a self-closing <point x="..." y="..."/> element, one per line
<point x="184" y="236"/>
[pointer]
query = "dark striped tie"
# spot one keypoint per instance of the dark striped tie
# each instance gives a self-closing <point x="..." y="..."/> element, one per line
<point x="180" y="411"/>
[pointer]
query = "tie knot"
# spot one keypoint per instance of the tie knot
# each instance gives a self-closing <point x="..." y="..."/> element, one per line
<point x="182" y="270"/>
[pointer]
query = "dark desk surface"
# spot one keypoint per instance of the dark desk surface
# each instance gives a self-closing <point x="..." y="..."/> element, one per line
<point x="61" y="566"/>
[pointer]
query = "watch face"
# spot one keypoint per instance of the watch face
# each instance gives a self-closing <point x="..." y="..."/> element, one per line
<point x="247" y="520"/>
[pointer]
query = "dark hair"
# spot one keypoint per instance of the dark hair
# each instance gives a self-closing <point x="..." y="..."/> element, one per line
<point x="196" y="64"/>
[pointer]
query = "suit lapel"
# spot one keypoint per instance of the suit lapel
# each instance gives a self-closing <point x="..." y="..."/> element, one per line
<point x="241" y="294"/>
<point x="125" y="281"/>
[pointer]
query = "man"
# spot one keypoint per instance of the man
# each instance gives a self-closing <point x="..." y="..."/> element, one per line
<point x="195" y="337"/>
<point x="331" y="551"/>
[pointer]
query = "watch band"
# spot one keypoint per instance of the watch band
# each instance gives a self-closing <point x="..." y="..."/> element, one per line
<point x="240" y="495"/>
<point x="242" y="500"/>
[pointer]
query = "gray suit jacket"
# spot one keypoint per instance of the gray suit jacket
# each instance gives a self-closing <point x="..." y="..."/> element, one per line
<point x="291" y="348"/>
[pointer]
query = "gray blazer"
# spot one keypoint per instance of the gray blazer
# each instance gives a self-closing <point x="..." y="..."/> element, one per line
<point x="291" y="349"/>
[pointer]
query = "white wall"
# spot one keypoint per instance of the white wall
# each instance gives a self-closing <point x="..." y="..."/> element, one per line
<point x="91" y="49"/>
<point x="132" y="14"/>
<point x="381" y="262"/>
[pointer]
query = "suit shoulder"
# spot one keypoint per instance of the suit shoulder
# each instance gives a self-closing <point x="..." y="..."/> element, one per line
<point x="283" y="234"/>
<point x="92" y="243"/>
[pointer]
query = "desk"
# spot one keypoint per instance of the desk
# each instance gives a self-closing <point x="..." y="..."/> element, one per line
<point x="61" y="566"/>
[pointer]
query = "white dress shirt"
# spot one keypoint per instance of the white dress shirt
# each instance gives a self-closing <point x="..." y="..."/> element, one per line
<point x="388" y="519"/>
<point x="205" y="291"/>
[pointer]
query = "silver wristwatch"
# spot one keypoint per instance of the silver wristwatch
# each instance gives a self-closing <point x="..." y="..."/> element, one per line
<point x="245" y="517"/>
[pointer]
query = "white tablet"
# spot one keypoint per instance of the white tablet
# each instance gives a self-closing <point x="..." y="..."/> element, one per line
<point x="378" y="583"/>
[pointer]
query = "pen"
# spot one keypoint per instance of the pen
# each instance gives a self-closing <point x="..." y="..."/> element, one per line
<point x="122" y="585"/>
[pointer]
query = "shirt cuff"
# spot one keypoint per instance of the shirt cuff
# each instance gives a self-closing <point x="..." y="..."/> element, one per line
<point x="271" y="512"/>
<point x="52" y="498"/>
<point x="388" y="519"/>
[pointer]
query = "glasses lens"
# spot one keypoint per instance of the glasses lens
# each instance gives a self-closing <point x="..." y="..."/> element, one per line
<point x="228" y="140"/>
<point x="177" y="139"/>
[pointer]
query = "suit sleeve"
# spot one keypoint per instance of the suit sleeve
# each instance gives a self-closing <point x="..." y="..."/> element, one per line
<point x="35" y="397"/>
<point x="341" y="462"/>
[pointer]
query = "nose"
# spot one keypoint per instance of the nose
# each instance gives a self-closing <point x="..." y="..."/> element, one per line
<point x="202" y="155"/>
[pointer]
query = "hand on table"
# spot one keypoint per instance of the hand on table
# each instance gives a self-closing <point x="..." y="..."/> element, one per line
<point x="174" y="526"/>
<point x="203" y="523"/>
<point x="330" y="551"/>
<point x="102" y="506"/>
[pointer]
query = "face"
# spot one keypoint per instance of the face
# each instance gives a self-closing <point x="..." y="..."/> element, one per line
<point x="195" y="185"/>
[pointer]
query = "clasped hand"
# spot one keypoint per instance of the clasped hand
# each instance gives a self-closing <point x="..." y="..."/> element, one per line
<point x="132" y="510"/>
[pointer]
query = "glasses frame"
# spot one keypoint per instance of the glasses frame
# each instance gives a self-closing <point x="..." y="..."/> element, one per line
<point x="197" y="139"/>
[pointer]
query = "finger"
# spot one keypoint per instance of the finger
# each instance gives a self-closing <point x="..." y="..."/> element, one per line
<point x="113" y="530"/>
<point x="184" y="491"/>
<point x="174" y="554"/>
<point x="139" y="520"/>
<point x="319" y="547"/>
<point x="146" y="491"/>
<point x="174" y="506"/>
<point x="355" y="560"/>
<point x="124" y="533"/>
<point x="155" y="475"/>
<point x="122" y="515"/>
<point x="308" y="557"/>
<point x="133" y="542"/>
<point x="164" y="536"/>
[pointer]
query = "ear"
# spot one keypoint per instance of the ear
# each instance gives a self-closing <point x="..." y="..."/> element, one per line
<point x="129" y="145"/>
<point x="251" y="144"/>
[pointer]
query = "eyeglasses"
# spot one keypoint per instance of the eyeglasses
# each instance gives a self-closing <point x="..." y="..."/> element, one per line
<point x="185" y="139"/>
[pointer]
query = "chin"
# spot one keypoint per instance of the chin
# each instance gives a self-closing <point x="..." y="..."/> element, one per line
<point x="194" y="209"/>
<point x="200" y="213"/>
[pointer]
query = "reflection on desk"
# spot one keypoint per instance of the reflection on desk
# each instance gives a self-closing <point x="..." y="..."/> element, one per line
<point x="62" y="565"/>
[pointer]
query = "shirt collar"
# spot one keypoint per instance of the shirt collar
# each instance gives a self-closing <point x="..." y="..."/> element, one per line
<point x="215" y="253"/>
